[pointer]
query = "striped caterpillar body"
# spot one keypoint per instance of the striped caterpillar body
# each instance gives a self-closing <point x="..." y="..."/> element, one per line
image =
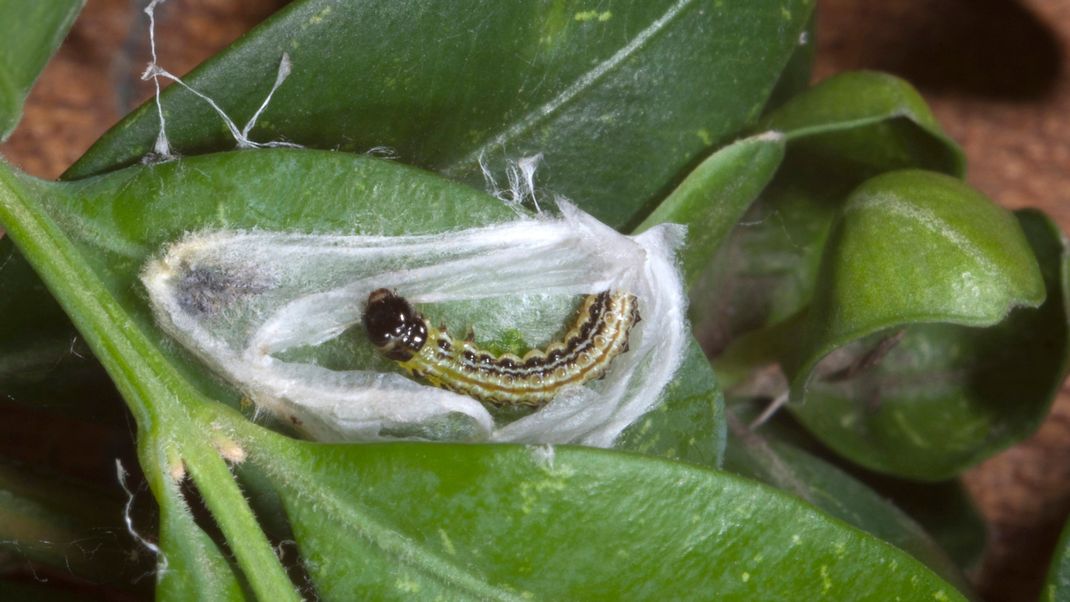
<point x="599" y="334"/>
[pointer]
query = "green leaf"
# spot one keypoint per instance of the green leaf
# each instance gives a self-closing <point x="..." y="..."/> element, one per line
<point x="871" y="120"/>
<point x="620" y="99"/>
<point x="690" y="424"/>
<point x="763" y="456"/>
<point x="30" y="33"/>
<point x="944" y="509"/>
<point x="124" y="218"/>
<point x="713" y="197"/>
<point x="164" y="404"/>
<point x="839" y="133"/>
<point x="90" y="238"/>
<point x="513" y="522"/>
<point x="917" y="265"/>
<point x="1057" y="588"/>
<point x="915" y="246"/>
<point x="193" y="567"/>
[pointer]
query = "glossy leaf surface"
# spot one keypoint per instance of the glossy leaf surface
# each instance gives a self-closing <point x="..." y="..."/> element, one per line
<point x="909" y="382"/>
<point x="555" y="516"/>
<point x="620" y="99"/>
<point x="690" y="424"/>
<point x="182" y="434"/>
<point x="713" y="197"/>
<point x="760" y="454"/>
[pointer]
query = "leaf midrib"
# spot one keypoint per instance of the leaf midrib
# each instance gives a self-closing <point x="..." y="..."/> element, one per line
<point x="585" y="81"/>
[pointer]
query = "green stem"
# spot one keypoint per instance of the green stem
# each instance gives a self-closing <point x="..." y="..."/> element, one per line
<point x="228" y="506"/>
<point x="152" y="388"/>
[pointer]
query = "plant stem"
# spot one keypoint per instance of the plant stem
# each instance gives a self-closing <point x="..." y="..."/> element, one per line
<point x="151" y="387"/>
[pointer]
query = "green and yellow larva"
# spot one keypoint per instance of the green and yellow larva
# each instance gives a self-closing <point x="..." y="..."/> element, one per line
<point x="599" y="334"/>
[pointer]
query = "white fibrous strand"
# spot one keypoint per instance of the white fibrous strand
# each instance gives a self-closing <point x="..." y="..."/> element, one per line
<point x="521" y="177"/>
<point x="161" y="559"/>
<point x="246" y="302"/>
<point x="162" y="148"/>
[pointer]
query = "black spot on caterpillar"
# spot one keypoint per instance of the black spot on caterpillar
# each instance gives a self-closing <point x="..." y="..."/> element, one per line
<point x="598" y="334"/>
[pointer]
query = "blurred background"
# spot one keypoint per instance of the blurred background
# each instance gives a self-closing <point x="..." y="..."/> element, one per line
<point x="996" y="73"/>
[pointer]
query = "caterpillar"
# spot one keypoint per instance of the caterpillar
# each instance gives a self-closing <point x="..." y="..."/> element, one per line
<point x="598" y="334"/>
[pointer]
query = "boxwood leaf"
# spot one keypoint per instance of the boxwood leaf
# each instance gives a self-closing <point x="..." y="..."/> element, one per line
<point x="89" y="239"/>
<point x="760" y="454"/>
<point x="690" y="424"/>
<point x="839" y="133"/>
<point x="906" y="133"/>
<point x="30" y="33"/>
<point x="620" y="99"/>
<point x="712" y="198"/>
<point x="512" y="522"/>
<point x="126" y="217"/>
<point x="896" y="370"/>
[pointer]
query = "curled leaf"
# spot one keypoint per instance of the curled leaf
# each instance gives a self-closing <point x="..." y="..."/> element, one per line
<point x="926" y="350"/>
<point x="844" y="130"/>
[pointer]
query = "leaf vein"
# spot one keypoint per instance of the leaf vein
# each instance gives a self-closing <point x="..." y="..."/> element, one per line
<point x="581" y="84"/>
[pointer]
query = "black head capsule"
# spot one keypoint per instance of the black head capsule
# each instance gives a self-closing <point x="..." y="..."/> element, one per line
<point x="393" y="326"/>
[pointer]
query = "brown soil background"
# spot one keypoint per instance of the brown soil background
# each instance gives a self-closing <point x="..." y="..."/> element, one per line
<point x="996" y="72"/>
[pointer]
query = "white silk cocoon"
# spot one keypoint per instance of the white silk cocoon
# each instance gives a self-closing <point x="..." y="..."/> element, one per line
<point x="240" y="299"/>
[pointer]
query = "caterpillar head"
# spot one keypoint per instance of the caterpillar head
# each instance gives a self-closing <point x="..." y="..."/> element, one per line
<point x="393" y="326"/>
